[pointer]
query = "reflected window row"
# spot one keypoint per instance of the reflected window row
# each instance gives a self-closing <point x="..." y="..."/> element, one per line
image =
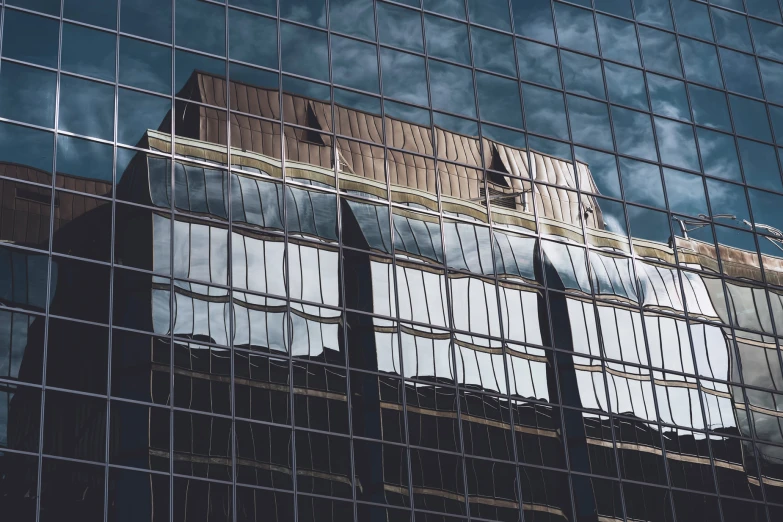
<point x="321" y="458"/>
<point x="683" y="386"/>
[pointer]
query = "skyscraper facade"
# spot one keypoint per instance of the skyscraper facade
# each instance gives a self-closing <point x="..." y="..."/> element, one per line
<point x="386" y="261"/>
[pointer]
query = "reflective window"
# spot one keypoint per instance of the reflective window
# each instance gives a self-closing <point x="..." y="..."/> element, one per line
<point x="135" y="19"/>
<point x="201" y="26"/>
<point x="538" y="63"/>
<point x="710" y="108"/>
<point x="86" y="107"/>
<point x="312" y="12"/>
<point x="145" y="65"/>
<point x="451" y="88"/>
<point x="355" y="17"/>
<point x="533" y="19"/>
<point x="618" y="40"/>
<point x="447" y="39"/>
<point x="104" y="14"/>
<point x="354" y="64"/>
<point x="304" y="51"/>
<point x="399" y="27"/>
<point x="575" y="28"/>
<point x="408" y="188"/>
<point x="88" y="52"/>
<point x="30" y="38"/>
<point x="659" y="49"/>
<point x="27" y="94"/>
<point x="626" y="86"/>
<point x="252" y="39"/>
<point x="493" y="51"/>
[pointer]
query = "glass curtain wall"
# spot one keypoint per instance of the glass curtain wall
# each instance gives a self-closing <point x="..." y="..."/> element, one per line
<point x="385" y="261"/>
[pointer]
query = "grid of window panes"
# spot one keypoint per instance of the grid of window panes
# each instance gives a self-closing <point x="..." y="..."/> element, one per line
<point x="431" y="260"/>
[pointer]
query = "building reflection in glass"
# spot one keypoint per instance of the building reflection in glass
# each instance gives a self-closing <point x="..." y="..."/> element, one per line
<point x="478" y="321"/>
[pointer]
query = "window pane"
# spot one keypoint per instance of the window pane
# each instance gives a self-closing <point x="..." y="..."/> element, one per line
<point x="732" y="30"/>
<point x="135" y="19"/>
<point x="772" y="76"/>
<point x="740" y="72"/>
<point x="719" y="154"/>
<point x="582" y="74"/>
<point x="750" y="118"/>
<point x="452" y="88"/>
<point x="633" y="132"/>
<point x="692" y="19"/>
<point x="304" y="51"/>
<point x="355" y="17"/>
<point x="760" y="165"/>
<point x="642" y="182"/>
<point x="533" y="19"/>
<point x="676" y="144"/>
<point x="768" y="39"/>
<point x="201" y="26"/>
<point x="447" y="39"/>
<point x="493" y="51"/>
<point x="575" y="28"/>
<point x="27" y="147"/>
<point x="685" y="192"/>
<point x="453" y="8"/>
<point x="545" y="111"/>
<point x="30" y="38"/>
<point x="710" y="108"/>
<point x="51" y="7"/>
<point x="145" y="65"/>
<point x="626" y="86"/>
<point x="399" y="27"/>
<point x="27" y="94"/>
<point x="86" y="108"/>
<point x="137" y="113"/>
<point x="701" y="62"/>
<point x="618" y="40"/>
<point x="404" y="76"/>
<point x="88" y="52"/>
<point x="102" y="13"/>
<point x="492" y="13"/>
<point x="654" y="12"/>
<point x="618" y="7"/>
<point x="311" y="12"/>
<point x="252" y="39"/>
<point x="84" y="159"/>
<point x="590" y="122"/>
<point x="668" y="97"/>
<point x="499" y="100"/>
<point x="660" y="51"/>
<point x="354" y="64"/>
<point x="538" y="63"/>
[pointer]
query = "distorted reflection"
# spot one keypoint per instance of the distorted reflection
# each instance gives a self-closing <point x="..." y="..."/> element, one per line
<point x="475" y="304"/>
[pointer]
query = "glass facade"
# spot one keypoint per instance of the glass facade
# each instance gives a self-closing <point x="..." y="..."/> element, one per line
<point x="413" y="260"/>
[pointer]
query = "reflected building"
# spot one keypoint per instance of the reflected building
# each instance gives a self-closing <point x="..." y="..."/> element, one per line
<point x="297" y="302"/>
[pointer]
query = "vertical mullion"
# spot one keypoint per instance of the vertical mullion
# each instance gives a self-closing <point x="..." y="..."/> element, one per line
<point x="111" y="260"/>
<point x="47" y="310"/>
<point x="230" y="270"/>
<point x="288" y="325"/>
<point x="172" y="295"/>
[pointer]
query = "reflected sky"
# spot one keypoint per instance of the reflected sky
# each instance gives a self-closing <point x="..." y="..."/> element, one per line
<point x="549" y="302"/>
